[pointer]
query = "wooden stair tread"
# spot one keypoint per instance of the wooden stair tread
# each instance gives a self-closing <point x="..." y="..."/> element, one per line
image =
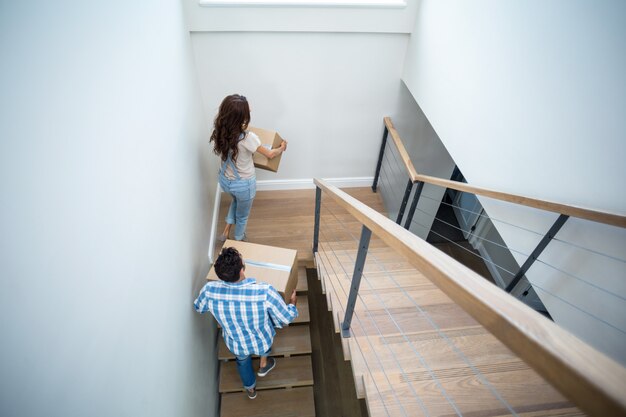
<point x="302" y="285"/>
<point x="290" y="372"/>
<point x="389" y="396"/>
<point x="303" y="310"/>
<point x="291" y="340"/>
<point x="296" y="402"/>
<point x="305" y="258"/>
<point x="389" y="286"/>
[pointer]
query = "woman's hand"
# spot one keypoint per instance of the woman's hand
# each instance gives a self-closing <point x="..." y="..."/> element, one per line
<point x="271" y="154"/>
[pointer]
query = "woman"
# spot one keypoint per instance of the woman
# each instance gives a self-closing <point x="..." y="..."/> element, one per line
<point x="235" y="146"/>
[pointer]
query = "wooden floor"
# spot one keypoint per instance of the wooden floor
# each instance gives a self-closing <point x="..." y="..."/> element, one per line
<point x="413" y="351"/>
<point x="278" y="218"/>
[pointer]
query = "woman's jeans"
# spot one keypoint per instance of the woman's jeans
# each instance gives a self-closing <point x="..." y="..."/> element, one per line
<point x="243" y="192"/>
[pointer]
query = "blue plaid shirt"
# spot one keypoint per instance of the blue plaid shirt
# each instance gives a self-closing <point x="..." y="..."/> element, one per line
<point x="248" y="311"/>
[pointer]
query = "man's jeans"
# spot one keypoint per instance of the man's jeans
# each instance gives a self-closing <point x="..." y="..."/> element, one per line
<point x="246" y="373"/>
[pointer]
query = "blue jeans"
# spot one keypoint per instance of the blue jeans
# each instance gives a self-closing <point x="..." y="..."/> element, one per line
<point x="246" y="373"/>
<point x="243" y="192"/>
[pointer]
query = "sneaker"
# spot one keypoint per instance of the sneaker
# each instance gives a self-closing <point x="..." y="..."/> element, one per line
<point x="271" y="363"/>
<point x="251" y="393"/>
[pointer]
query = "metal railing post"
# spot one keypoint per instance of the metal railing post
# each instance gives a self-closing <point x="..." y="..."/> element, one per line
<point x="356" y="280"/>
<point x="540" y="247"/>
<point x="380" y="159"/>
<point x="316" y="228"/>
<point x="416" y="197"/>
<point x="405" y="199"/>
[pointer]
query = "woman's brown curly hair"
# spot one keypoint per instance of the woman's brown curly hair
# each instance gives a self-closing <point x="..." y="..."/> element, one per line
<point x="231" y="121"/>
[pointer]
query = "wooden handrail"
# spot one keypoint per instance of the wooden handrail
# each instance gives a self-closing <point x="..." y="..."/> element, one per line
<point x="587" y="377"/>
<point x="572" y="211"/>
<point x="401" y="150"/>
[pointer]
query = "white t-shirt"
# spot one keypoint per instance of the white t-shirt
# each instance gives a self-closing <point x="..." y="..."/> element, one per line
<point x="245" y="166"/>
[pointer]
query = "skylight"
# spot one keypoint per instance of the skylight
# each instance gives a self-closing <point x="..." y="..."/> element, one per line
<point x="303" y="3"/>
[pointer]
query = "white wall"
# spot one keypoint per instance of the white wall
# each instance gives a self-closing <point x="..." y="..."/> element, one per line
<point x="529" y="97"/>
<point x="105" y="179"/>
<point x="326" y="93"/>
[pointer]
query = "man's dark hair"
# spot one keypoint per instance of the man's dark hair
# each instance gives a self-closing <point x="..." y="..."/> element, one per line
<point x="228" y="265"/>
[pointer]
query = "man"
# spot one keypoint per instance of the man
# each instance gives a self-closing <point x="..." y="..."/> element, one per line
<point x="248" y="311"/>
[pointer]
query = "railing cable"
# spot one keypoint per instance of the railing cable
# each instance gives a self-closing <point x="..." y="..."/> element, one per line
<point x="465" y="249"/>
<point x="366" y="337"/>
<point x="437" y="328"/>
<point x="476" y="236"/>
<point x="479" y="214"/>
<point x="552" y="351"/>
<point x="388" y="179"/>
<point x="357" y="342"/>
<point x="535" y="285"/>
<point x="382" y="336"/>
<point x="589" y="250"/>
<point x="526" y="255"/>
<point x="578" y="308"/>
<point x="403" y="333"/>
<point x="543" y="289"/>
<point x="398" y="173"/>
<point x="580" y="279"/>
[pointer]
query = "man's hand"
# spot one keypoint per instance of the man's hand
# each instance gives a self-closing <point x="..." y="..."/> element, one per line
<point x="294" y="298"/>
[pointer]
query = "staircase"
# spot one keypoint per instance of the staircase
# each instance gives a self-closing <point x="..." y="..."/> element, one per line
<point x="412" y="350"/>
<point x="288" y="389"/>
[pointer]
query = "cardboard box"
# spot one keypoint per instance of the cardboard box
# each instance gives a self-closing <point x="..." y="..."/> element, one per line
<point x="275" y="266"/>
<point x="271" y="138"/>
